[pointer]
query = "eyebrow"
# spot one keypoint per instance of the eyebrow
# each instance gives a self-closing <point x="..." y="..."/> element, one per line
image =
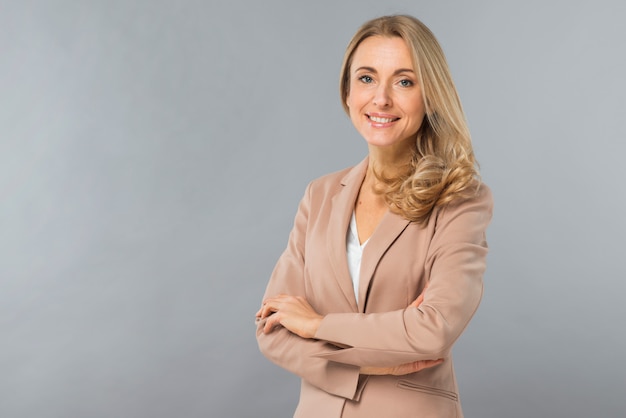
<point x="373" y="70"/>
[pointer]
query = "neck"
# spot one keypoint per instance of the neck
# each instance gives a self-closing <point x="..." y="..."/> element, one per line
<point x="390" y="160"/>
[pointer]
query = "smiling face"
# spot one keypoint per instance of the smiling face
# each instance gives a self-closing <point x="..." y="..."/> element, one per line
<point x="384" y="99"/>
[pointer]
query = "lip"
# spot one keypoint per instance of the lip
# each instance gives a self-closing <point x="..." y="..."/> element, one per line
<point x="381" y="120"/>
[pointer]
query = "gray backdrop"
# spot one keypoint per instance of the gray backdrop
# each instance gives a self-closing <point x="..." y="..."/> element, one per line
<point x="152" y="155"/>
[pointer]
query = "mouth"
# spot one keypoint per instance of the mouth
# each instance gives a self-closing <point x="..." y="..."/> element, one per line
<point x="380" y="119"/>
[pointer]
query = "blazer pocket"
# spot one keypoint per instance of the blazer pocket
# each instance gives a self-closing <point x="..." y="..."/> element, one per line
<point x="407" y="384"/>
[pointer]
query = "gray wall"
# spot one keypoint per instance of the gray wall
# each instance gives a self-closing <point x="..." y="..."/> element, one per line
<point x="152" y="155"/>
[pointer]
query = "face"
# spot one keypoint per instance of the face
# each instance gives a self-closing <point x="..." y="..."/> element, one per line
<point x="385" y="99"/>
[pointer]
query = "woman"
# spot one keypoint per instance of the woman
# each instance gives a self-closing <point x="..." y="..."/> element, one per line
<point x="383" y="269"/>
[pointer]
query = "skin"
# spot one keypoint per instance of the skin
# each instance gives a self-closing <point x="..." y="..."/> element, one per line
<point x="383" y="84"/>
<point x="387" y="108"/>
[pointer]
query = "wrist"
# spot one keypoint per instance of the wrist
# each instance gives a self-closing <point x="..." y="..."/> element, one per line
<point x="316" y="323"/>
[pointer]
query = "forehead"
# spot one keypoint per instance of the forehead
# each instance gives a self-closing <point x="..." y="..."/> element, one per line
<point x="382" y="52"/>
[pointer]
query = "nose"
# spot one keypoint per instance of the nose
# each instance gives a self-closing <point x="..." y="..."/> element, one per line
<point x="382" y="97"/>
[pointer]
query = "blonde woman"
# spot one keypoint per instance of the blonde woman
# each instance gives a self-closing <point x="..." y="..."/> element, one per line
<point x="383" y="269"/>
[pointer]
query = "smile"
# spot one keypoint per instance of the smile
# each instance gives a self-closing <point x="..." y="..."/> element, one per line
<point x="381" y="120"/>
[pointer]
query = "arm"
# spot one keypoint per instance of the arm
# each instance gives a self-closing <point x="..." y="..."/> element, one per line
<point x="296" y="314"/>
<point x="303" y="357"/>
<point x="456" y="261"/>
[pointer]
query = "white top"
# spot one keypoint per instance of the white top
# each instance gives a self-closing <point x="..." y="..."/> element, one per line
<point x="354" y="252"/>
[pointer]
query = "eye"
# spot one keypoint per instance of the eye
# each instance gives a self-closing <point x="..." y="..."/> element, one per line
<point x="406" y="83"/>
<point x="366" y="79"/>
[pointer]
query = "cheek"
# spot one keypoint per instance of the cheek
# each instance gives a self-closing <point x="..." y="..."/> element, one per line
<point x="356" y="100"/>
<point x="418" y="109"/>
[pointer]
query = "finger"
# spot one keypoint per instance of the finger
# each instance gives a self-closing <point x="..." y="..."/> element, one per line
<point x="416" y="366"/>
<point x="425" y="364"/>
<point x="271" y="305"/>
<point x="375" y="370"/>
<point x="271" y="322"/>
<point x="268" y="309"/>
<point x="417" y="302"/>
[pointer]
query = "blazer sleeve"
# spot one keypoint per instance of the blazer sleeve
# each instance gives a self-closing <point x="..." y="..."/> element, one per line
<point x="303" y="357"/>
<point x="456" y="262"/>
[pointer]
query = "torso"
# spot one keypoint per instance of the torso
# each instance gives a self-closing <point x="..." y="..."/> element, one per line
<point x="369" y="211"/>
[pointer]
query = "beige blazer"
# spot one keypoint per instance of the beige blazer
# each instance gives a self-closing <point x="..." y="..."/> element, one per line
<point x="399" y="259"/>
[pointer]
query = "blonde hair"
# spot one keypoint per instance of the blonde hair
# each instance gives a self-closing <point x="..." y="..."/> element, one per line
<point x="443" y="167"/>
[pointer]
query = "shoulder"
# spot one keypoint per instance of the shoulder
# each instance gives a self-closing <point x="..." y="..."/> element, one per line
<point x="483" y="195"/>
<point x="330" y="179"/>
<point x="336" y="180"/>
<point x="475" y="207"/>
<point x="477" y="194"/>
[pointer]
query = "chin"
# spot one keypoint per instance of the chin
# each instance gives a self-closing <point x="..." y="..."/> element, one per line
<point x="385" y="143"/>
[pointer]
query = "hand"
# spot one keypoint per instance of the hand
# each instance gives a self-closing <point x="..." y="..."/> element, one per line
<point x="292" y="312"/>
<point x="402" y="369"/>
<point x="417" y="302"/>
<point x="406" y="368"/>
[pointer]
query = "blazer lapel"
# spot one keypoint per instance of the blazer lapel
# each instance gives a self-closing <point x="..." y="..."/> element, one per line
<point x="389" y="228"/>
<point x="341" y="211"/>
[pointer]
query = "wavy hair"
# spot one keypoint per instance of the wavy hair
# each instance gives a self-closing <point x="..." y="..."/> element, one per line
<point x="443" y="167"/>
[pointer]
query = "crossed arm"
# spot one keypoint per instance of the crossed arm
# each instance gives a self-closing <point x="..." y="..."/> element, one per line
<point x="331" y="351"/>
<point x="296" y="315"/>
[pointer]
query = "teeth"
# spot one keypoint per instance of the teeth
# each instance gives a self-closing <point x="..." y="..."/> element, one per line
<point x="381" y="120"/>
